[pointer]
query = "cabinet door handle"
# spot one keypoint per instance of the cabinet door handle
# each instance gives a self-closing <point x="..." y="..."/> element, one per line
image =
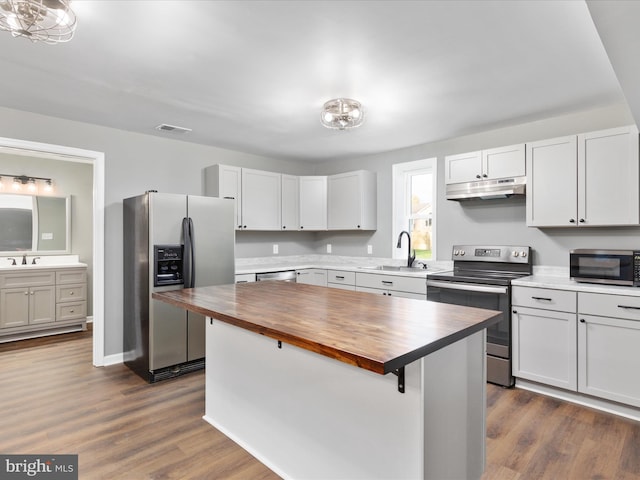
<point x="582" y="220"/>
<point x="543" y="299"/>
<point x="572" y="220"/>
<point x="484" y="175"/>
<point x="26" y="293"/>
<point x="230" y="198"/>
<point x="582" y="320"/>
<point x="386" y="282"/>
<point x="514" y="311"/>
<point x="478" y="176"/>
<point x="628" y="307"/>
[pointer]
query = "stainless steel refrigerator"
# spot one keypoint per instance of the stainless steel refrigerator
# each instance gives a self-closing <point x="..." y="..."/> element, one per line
<point x="171" y="242"/>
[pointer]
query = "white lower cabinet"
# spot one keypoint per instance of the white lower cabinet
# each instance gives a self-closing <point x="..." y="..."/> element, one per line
<point x="344" y="280"/>
<point x="392" y="285"/>
<point x="544" y="336"/>
<point x="579" y="341"/>
<point x="312" y="276"/>
<point x="608" y="347"/>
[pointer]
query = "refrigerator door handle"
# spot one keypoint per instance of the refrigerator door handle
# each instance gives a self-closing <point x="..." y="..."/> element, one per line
<point x="192" y="248"/>
<point x="186" y="260"/>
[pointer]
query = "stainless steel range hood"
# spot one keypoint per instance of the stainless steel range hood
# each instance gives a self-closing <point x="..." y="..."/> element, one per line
<point x="487" y="189"/>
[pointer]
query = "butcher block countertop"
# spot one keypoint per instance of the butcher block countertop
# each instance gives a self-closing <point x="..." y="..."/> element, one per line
<point x="374" y="332"/>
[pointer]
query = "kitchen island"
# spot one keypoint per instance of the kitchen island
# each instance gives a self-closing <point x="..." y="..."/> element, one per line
<point x="302" y="384"/>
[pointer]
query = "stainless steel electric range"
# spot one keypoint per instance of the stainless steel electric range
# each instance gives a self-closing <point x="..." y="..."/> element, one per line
<point x="481" y="277"/>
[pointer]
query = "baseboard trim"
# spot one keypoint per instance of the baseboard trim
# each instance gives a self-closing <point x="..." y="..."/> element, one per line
<point x="114" y="359"/>
<point x="587" y="401"/>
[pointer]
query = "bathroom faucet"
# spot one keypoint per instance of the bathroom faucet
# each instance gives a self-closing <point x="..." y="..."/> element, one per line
<point x="24" y="259"/>
<point x="13" y="260"/>
<point x="410" y="258"/>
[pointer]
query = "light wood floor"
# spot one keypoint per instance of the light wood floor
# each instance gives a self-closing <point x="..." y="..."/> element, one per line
<point x="53" y="401"/>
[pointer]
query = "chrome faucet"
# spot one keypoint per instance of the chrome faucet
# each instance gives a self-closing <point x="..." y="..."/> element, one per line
<point x="24" y="259"/>
<point x="13" y="260"/>
<point x="410" y="258"/>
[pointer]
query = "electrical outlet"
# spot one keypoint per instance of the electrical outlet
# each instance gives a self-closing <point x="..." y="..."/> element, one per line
<point x="275" y="249"/>
<point x="369" y="249"/>
<point x="328" y="248"/>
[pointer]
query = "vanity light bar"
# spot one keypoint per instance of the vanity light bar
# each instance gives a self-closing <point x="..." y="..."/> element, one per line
<point x="20" y="180"/>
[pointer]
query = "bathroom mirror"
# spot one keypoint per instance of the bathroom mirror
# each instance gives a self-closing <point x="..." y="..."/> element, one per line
<point x="34" y="224"/>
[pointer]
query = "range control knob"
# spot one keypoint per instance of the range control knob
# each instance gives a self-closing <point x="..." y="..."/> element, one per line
<point x="523" y="254"/>
<point x="515" y="254"/>
<point x="456" y="253"/>
<point x="462" y="252"/>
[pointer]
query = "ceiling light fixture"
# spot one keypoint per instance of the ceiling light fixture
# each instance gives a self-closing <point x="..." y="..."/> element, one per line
<point x="48" y="21"/>
<point x="342" y="113"/>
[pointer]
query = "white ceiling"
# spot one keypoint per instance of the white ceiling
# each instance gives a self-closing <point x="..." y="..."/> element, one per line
<point x="253" y="75"/>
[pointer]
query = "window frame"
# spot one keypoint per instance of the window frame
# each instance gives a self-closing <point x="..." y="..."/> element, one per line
<point x="401" y="214"/>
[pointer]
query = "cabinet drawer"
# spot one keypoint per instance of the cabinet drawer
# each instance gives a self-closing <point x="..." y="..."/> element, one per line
<point x="71" y="293"/>
<point x="27" y="279"/>
<point x="544" y="298"/>
<point x="392" y="282"/>
<point x="71" y="311"/>
<point x="339" y="276"/>
<point x="76" y="275"/>
<point x="603" y="305"/>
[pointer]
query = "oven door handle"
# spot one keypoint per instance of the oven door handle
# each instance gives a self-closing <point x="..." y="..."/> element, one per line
<point x="468" y="287"/>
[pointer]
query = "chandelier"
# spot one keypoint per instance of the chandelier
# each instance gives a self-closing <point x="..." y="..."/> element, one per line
<point x="48" y="21"/>
<point x="342" y="113"/>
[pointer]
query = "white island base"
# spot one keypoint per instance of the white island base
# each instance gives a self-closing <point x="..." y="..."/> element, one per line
<point x="306" y="416"/>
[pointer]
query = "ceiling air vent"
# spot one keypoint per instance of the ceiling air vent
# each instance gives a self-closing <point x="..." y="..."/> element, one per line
<point x="172" y="128"/>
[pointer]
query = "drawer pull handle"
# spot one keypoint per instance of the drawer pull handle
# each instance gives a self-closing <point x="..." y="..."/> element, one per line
<point x="386" y="282"/>
<point x="543" y="298"/>
<point x="71" y="292"/>
<point x="339" y="277"/>
<point x="72" y="311"/>
<point x="628" y="307"/>
<point x="582" y="320"/>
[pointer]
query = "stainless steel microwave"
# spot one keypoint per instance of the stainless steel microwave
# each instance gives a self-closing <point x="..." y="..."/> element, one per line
<point x="613" y="267"/>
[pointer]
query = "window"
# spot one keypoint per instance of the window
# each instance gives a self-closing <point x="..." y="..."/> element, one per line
<point x="414" y="201"/>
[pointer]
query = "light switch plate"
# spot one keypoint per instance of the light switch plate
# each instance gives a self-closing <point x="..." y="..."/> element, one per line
<point x="369" y="249"/>
<point x="328" y="248"/>
<point x="275" y="249"/>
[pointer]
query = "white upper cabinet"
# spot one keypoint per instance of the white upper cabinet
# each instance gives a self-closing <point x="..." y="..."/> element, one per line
<point x="608" y="177"/>
<point x="290" y="202"/>
<point x="352" y="201"/>
<point x="590" y="179"/>
<point x="464" y="167"/>
<point x="261" y="200"/>
<point x="491" y="164"/>
<point x="552" y="189"/>
<point x="504" y="162"/>
<point x="224" y="181"/>
<point x="313" y="202"/>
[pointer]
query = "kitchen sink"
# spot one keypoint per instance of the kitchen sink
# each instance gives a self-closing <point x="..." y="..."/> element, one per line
<point x="394" y="268"/>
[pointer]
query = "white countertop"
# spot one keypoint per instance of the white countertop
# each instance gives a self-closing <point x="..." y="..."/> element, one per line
<point x="558" y="279"/>
<point x="332" y="262"/>
<point x="42" y="262"/>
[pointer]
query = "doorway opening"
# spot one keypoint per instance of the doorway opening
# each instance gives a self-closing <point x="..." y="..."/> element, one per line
<point x="96" y="159"/>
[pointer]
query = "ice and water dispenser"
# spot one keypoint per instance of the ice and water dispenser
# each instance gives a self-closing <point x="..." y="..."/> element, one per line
<point x="168" y="265"/>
